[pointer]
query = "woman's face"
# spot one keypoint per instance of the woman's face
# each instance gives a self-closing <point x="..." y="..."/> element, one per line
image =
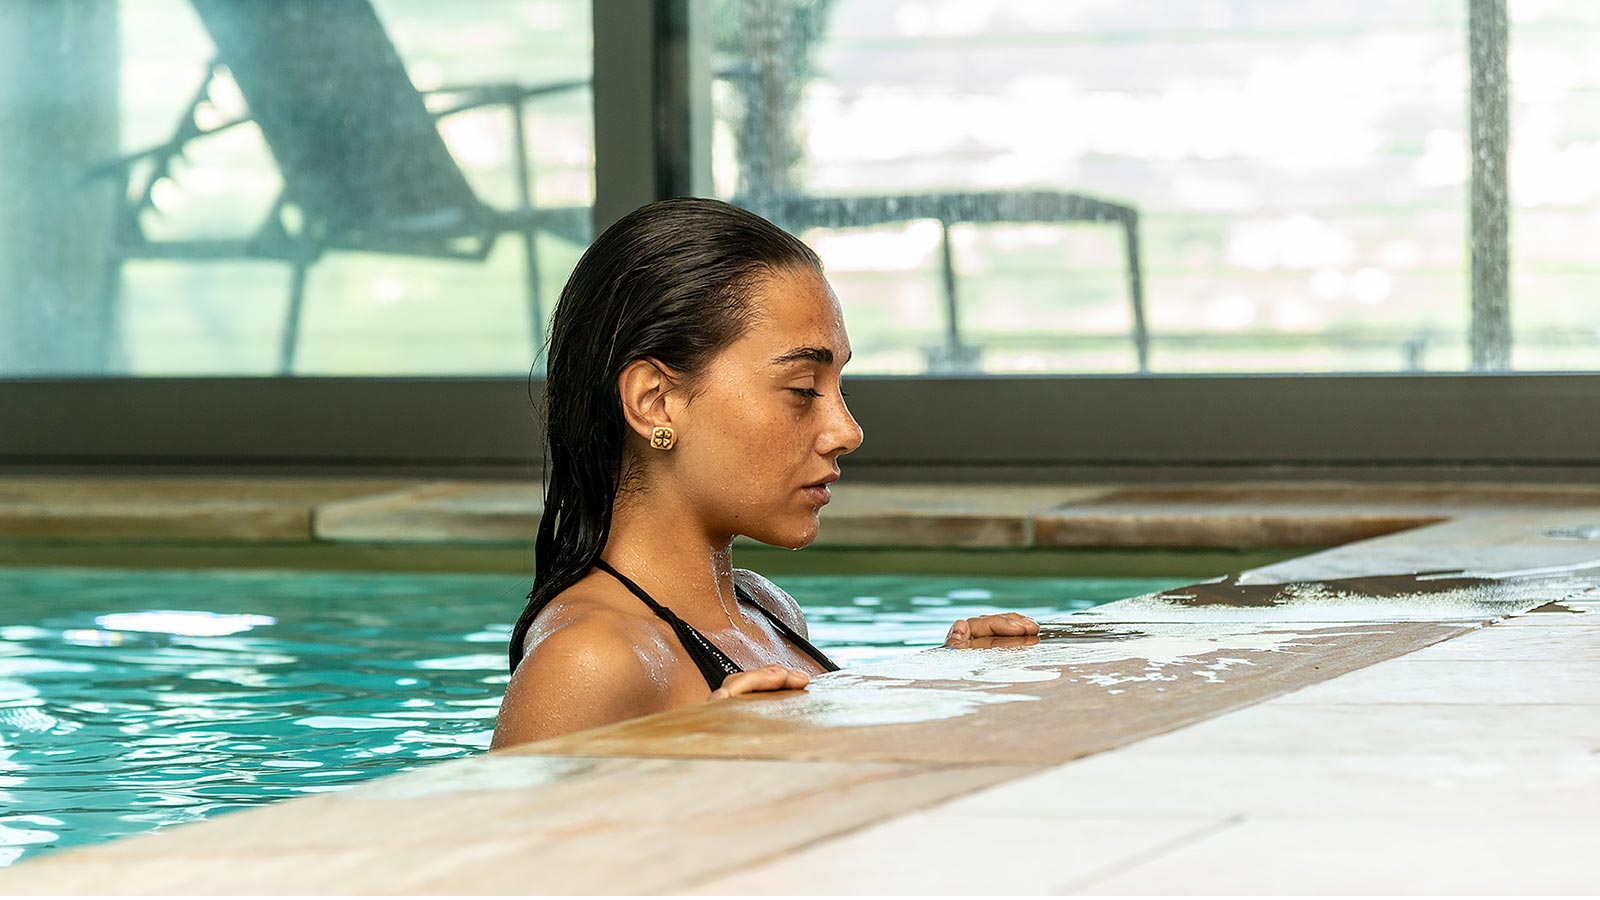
<point x="768" y="422"/>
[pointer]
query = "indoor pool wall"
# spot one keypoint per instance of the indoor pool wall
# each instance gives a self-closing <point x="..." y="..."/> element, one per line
<point x="131" y="700"/>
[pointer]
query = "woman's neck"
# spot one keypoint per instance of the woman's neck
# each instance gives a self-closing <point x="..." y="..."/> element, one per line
<point x="663" y="546"/>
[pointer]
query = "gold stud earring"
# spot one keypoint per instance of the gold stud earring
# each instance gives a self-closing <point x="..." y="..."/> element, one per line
<point x="662" y="437"/>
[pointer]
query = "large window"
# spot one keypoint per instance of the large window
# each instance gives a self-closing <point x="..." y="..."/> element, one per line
<point x="223" y="188"/>
<point x="1299" y="175"/>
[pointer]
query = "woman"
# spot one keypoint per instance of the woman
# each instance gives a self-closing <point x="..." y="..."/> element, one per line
<point x="692" y="395"/>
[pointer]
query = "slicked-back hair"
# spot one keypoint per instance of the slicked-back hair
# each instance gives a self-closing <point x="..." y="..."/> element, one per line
<point x="671" y="282"/>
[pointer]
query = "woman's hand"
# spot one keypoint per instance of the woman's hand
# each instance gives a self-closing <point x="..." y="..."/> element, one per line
<point x="770" y="678"/>
<point x="1000" y="625"/>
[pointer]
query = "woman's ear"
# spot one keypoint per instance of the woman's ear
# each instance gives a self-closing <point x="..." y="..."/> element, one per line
<point x="643" y="386"/>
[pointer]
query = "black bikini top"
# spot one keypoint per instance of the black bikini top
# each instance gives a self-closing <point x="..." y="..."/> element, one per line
<point x="713" y="663"/>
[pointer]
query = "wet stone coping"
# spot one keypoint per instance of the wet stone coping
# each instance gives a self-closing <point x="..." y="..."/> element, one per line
<point x="721" y="796"/>
<point x="362" y="514"/>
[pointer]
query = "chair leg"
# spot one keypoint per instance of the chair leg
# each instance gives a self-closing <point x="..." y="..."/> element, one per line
<point x="109" y="352"/>
<point x="958" y="357"/>
<point x="291" y="326"/>
<point x="1141" y="335"/>
<point x="952" y="323"/>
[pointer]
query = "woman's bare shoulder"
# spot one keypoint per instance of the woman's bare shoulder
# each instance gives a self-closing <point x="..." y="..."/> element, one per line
<point x="587" y="664"/>
<point x="595" y="613"/>
<point x="570" y="629"/>
<point x="775" y="599"/>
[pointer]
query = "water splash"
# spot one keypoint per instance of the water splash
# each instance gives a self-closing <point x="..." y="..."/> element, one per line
<point x="1134" y="651"/>
<point x="851" y="700"/>
<point x="1419" y="597"/>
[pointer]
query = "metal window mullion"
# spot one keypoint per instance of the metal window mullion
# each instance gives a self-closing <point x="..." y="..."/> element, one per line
<point x="1489" y="126"/>
<point x="650" y="58"/>
<point x="624" y="108"/>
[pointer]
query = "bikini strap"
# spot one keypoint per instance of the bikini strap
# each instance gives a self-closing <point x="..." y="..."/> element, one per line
<point x="711" y="661"/>
<point x="794" y="637"/>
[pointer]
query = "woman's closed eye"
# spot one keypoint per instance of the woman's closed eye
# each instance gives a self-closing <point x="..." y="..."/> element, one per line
<point x="813" y="393"/>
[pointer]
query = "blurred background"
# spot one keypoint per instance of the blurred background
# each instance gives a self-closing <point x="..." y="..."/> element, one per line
<point x="1293" y="181"/>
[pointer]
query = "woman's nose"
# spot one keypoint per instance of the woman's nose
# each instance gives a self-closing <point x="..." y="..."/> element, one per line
<point x="848" y="431"/>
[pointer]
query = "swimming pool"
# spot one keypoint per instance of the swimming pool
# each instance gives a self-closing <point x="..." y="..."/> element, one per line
<point x="132" y="700"/>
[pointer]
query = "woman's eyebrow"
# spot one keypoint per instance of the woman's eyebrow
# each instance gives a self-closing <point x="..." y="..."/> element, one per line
<point x="815" y="354"/>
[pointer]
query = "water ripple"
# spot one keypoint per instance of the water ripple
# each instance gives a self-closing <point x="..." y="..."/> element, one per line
<point x="134" y="700"/>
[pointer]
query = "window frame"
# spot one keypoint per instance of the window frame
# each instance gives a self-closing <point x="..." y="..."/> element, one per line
<point x="972" y="428"/>
<point x="1453" y="426"/>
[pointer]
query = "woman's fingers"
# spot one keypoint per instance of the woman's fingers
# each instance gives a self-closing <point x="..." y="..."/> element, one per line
<point x="985" y="643"/>
<point x="1029" y="626"/>
<point x="768" y="678"/>
<point x="998" y="625"/>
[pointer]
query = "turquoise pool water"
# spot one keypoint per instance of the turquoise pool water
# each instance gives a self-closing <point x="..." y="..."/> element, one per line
<point x="132" y="700"/>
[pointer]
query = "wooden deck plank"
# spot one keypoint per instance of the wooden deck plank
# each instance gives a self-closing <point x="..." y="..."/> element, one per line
<point x="512" y="823"/>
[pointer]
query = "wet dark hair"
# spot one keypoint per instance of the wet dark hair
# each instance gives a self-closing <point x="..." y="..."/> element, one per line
<point x="670" y="281"/>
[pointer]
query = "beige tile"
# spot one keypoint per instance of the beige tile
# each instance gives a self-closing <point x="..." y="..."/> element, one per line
<point x="923" y="529"/>
<point x="936" y="853"/>
<point x="1584" y="613"/>
<point x="931" y="515"/>
<point x="1570" y="642"/>
<point x="1466" y="496"/>
<point x="1278" y="514"/>
<point x="1441" y="785"/>
<point x="299" y="555"/>
<point x="1301" y="729"/>
<point x="499" y="512"/>
<point x="88" y="491"/>
<point x="1409" y="680"/>
<point x="1143" y="526"/>
<point x="1487" y="540"/>
<point x="860" y="515"/>
<point x="943" y="515"/>
<point x="172" y="508"/>
<point x="853" y="498"/>
<point x="1371" y="858"/>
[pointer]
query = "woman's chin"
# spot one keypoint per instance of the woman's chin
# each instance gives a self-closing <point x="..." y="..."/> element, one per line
<point x="796" y="537"/>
